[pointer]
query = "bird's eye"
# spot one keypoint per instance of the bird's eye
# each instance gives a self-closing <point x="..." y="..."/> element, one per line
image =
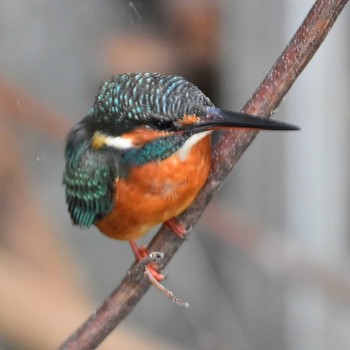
<point x="161" y="124"/>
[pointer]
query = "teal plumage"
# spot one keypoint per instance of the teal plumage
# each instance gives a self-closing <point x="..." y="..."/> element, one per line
<point x="145" y="98"/>
<point x="159" y="149"/>
<point x="88" y="178"/>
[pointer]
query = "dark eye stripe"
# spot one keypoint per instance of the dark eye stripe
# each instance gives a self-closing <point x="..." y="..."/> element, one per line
<point x="163" y="124"/>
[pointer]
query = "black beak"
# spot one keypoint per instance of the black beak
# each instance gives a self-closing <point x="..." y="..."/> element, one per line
<point x="218" y="118"/>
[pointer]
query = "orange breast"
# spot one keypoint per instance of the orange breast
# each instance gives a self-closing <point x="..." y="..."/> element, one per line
<point x="156" y="192"/>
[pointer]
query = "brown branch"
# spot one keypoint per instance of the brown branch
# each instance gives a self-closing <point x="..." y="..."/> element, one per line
<point x="226" y="153"/>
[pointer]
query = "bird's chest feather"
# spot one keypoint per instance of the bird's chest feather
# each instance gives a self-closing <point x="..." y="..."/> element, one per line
<point x="158" y="190"/>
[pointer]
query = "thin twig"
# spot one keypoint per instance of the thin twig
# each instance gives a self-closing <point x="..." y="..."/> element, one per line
<point x="141" y="268"/>
<point x="226" y="153"/>
<point x="168" y="293"/>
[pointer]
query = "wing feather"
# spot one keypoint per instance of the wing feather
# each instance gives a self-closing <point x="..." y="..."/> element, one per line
<point x="89" y="181"/>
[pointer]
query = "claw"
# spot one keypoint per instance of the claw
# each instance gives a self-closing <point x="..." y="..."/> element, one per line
<point x="174" y="226"/>
<point x="141" y="253"/>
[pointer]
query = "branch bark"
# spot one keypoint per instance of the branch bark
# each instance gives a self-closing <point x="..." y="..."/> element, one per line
<point x="226" y="153"/>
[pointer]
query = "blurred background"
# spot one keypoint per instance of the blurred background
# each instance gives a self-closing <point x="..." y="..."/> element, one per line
<point x="268" y="265"/>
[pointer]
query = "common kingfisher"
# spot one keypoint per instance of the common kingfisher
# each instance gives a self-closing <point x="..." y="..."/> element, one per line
<point x="143" y="152"/>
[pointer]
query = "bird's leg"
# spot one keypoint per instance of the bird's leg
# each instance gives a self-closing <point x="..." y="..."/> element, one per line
<point x="140" y="253"/>
<point x="173" y="225"/>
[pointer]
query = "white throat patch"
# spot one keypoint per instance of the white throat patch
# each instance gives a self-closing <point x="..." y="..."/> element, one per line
<point x="187" y="146"/>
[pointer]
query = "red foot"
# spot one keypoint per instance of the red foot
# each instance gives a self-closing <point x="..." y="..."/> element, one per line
<point x="140" y="253"/>
<point x="173" y="225"/>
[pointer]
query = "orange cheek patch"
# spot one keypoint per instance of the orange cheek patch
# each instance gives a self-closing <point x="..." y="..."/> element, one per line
<point x="189" y="119"/>
<point x="142" y="135"/>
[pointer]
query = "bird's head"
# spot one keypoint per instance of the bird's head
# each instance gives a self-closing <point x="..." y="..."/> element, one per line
<point x="133" y="109"/>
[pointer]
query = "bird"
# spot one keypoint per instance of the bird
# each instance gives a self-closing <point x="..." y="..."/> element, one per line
<point x="142" y="154"/>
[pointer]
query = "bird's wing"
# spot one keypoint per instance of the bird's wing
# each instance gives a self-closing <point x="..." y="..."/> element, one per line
<point x="89" y="181"/>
